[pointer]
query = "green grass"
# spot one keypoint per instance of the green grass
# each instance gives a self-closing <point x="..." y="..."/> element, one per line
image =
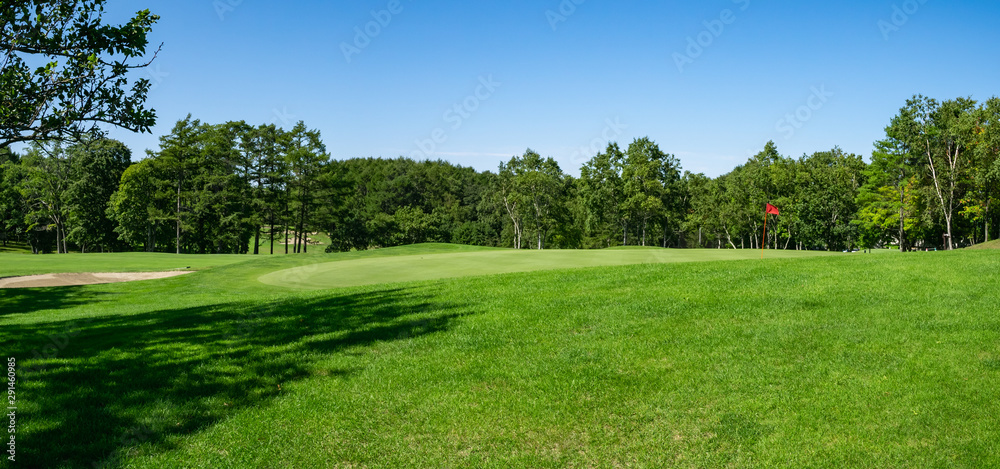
<point x="478" y="261"/>
<point x="15" y="265"/>
<point x="836" y="361"/>
<point x="15" y="248"/>
<point x="995" y="244"/>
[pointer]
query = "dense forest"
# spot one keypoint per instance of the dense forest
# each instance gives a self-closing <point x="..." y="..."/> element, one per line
<point x="239" y="188"/>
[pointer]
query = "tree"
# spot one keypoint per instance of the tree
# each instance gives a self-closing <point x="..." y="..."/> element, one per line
<point x="509" y="196"/>
<point x="744" y="192"/>
<point x="939" y="134"/>
<point x="219" y="214"/>
<point x="829" y="196"/>
<point x="415" y="226"/>
<point x="97" y="168"/>
<point x="261" y="150"/>
<point x="176" y="162"/>
<point x="985" y="168"/>
<point x="675" y="197"/>
<point x="44" y="187"/>
<point x="305" y="158"/>
<point x="11" y="202"/>
<point x="133" y="207"/>
<point x="701" y="213"/>
<point x="603" y="193"/>
<point x="541" y="182"/>
<point x="645" y="173"/>
<point x="882" y="200"/>
<point x="83" y="80"/>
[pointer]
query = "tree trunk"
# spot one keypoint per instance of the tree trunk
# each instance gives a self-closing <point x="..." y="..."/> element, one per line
<point x="728" y="237"/>
<point x="62" y="236"/>
<point x="945" y="207"/>
<point x="902" y="206"/>
<point x="286" y="220"/>
<point x="986" y="221"/>
<point x="177" y="240"/>
<point x="302" y="222"/>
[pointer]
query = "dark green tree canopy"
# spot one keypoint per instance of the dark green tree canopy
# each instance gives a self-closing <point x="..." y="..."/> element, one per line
<point x="65" y="73"/>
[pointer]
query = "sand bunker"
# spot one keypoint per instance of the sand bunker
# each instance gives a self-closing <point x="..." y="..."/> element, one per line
<point x="89" y="278"/>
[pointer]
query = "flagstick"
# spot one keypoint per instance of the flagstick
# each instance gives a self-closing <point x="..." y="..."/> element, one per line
<point x="764" y="238"/>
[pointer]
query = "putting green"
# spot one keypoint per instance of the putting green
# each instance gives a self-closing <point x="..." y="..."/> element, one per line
<point x="392" y="269"/>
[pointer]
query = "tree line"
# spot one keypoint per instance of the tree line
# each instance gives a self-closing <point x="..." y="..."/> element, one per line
<point x="240" y="188"/>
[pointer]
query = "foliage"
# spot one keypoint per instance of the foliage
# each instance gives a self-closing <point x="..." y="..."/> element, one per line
<point x="237" y="188"/>
<point x="83" y="79"/>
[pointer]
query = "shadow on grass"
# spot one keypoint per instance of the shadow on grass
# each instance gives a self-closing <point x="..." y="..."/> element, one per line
<point x="15" y="301"/>
<point x="115" y="385"/>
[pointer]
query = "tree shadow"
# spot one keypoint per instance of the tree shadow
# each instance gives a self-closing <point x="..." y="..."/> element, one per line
<point x="14" y="301"/>
<point x="99" y="389"/>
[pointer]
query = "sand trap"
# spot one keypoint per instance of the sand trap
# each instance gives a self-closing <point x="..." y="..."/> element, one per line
<point x="89" y="278"/>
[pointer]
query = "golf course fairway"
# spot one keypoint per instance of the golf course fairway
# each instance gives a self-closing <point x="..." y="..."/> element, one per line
<point x="433" y="266"/>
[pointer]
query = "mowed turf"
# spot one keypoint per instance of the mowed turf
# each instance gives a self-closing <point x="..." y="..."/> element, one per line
<point x="855" y="360"/>
<point x="19" y="264"/>
<point x="995" y="244"/>
<point x="472" y="262"/>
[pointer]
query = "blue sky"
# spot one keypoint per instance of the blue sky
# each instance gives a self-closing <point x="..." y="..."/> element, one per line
<point x="564" y="76"/>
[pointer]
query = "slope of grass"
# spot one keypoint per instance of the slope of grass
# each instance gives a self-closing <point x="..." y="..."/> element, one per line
<point x="426" y="266"/>
<point x="15" y="248"/>
<point x="995" y="244"/>
<point x="15" y="265"/>
<point x="842" y="361"/>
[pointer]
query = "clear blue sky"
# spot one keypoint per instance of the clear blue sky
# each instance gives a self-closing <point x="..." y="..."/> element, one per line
<point x="608" y="70"/>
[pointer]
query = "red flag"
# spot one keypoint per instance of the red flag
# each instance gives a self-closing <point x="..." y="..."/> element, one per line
<point x="772" y="209"/>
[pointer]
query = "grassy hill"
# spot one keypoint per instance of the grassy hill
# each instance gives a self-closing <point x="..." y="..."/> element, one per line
<point x="995" y="244"/>
<point x="835" y="361"/>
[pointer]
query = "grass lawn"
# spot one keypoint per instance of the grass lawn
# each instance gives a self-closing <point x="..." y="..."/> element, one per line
<point x="15" y="248"/>
<point x="15" y="265"/>
<point x="371" y="270"/>
<point x="853" y="360"/>
<point x="995" y="244"/>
